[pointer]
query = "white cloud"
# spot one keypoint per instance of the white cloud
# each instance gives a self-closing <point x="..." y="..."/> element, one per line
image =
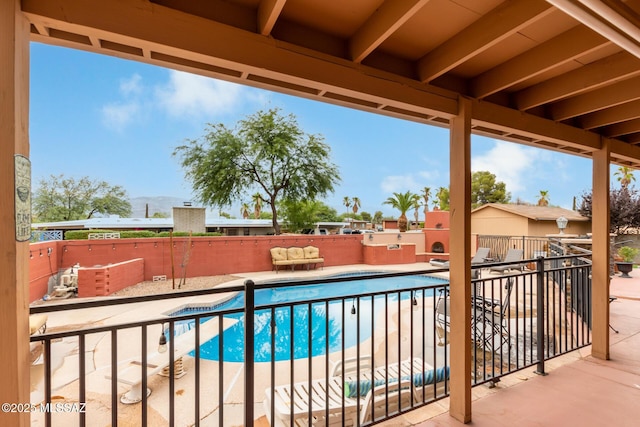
<point x="399" y="184"/>
<point x="429" y="175"/>
<point x="131" y="86"/>
<point x="511" y="163"/>
<point x="118" y="116"/>
<point x="192" y="95"/>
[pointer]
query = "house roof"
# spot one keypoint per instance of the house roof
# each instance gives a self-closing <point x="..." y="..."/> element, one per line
<point x="129" y="223"/>
<point x="537" y="213"/>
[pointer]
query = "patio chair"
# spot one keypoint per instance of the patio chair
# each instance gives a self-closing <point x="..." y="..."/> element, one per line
<point x="400" y="395"/>
<point x="328" y="395"/>
<point x="443" y="319"/>
<point x="489" y="317"/>
<point x="481" y="256"/>
<point x="37" y="324"/>
<point x="492" y="319"/>
<point x="513" y="256"/>
<point x="612" y="299"/>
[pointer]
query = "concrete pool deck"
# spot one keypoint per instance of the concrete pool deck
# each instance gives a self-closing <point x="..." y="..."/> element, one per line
<point x="65" y="357"/>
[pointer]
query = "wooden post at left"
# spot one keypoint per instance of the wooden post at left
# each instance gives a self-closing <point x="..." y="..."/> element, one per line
<point x="14" y="260"/>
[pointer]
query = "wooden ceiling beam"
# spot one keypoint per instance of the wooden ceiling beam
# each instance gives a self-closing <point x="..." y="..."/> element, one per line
<point x="188" y="37"/>
<point x="624" y="128"/>
<point x="564" y="48"/>
<point x="268" y="13"/>
<point x="633" y="139"/>
<point x="390" y="16"/>
<point x="625" y="151"/>
<point x="589" y="77"/>
<point x="610" y="116"/>
<point x="599" y="99"/>
<point x="508" y="120"/>
<point x="505" y="20"/>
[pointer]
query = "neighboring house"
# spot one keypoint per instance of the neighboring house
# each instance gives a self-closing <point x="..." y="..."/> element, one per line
<point x="525" y="220"/>
<point x="228" y="227"/>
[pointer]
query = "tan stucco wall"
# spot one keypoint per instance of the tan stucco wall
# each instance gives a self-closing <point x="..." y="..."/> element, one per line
<point x="495" y="222"/>
<point x="490" y="221"/>
<point x="542" y="228"/>
<point x="386" y="238"/>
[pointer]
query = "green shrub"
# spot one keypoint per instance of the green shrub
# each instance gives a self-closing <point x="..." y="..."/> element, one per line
<point x="628" y="253"/>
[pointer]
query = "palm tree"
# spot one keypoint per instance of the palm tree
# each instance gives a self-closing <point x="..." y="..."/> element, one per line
<point x="257" y="205"/>
<point x="416" y="207"/>
<point x="543" y="199"/>
<point x="244" y="210"/>
<point x="347" y="202"/>
<point x="625" y="176"/>
<point x="377" y="217"/>
<point x="443" y="199"/>
<point x="403" y="202"/>
<point x="426" y="194"/>
<point x="356" y="204"/>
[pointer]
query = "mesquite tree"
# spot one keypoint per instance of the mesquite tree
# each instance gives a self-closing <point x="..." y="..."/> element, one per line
<point x="266" y="154"/>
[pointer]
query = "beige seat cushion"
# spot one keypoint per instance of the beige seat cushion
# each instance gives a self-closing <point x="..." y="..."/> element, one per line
<point x="37" y="323"/>
<point x="311" y="252"/>
<point x="278" y="254"/>
<point x="295" y="254"/>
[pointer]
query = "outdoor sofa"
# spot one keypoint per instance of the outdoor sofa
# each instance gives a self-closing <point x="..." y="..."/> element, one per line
<point x="293" y="256"/>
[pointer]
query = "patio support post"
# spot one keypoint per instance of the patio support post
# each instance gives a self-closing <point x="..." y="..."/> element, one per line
<point x="601" y="240"/>
<point x="249" y="357"/>
<point x="14" y="262"/>
<point x="460" y="262"/>
<point x="540" y="317"/>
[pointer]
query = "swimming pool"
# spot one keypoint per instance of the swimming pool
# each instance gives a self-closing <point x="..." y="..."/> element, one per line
<point x="304" y="316"/>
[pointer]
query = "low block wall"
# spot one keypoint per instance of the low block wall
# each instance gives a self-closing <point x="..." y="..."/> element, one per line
<point x="101" y="281"/>
<point x="404" y="253"/>
<point x="201" y="256"/>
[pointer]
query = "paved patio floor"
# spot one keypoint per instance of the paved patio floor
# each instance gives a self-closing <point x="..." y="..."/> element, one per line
<point x="579" y="390"/>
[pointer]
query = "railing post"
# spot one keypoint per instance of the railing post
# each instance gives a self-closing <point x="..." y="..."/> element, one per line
<point x="249" y="289"/>
<point x="540" y="315"/>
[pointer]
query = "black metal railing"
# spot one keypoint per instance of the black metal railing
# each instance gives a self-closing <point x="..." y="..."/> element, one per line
<point x="355" y="356"/>
<point x="532" y="247"/>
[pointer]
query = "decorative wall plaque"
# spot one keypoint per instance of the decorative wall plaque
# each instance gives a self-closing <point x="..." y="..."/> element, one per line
<point x="22" y="197"/>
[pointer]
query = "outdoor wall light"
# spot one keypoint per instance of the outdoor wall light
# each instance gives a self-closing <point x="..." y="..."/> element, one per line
<point x="353" y="307"/>
<point x="562" y="224"/>
<point x="399" y="236"/>
<point x="30" y="255"/>
<point x="162" y="342"/>
<point x="370" y="236"/>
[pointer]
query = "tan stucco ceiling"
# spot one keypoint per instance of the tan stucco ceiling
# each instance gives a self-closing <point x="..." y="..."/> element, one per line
<point x="560" y="74"/>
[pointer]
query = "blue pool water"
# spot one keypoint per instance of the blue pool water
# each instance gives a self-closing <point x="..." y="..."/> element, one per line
<point x="320" y="314"/>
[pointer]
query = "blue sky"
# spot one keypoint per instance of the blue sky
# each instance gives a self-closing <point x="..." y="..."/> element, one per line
<point x="119" y="121"/>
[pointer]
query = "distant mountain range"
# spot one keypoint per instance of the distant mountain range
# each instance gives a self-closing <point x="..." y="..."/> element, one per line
<point x="163" y="204"/>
